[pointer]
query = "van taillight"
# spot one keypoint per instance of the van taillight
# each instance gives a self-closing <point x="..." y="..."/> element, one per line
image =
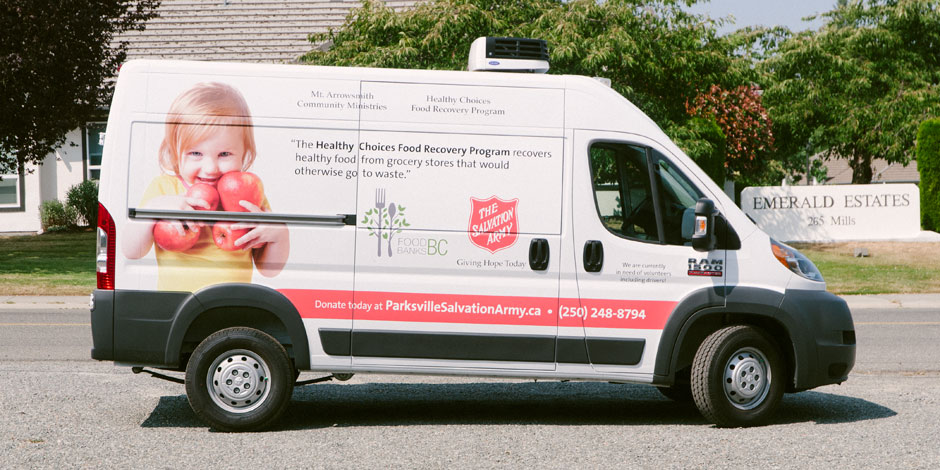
<point x="104" y="258"/>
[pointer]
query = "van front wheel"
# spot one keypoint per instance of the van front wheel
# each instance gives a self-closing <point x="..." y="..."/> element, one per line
<point x="737" y="377"/>
<point x="239" y="379"/>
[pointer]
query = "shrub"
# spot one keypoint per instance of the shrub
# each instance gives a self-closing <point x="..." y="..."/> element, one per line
<point x="928" y="165"/>
<point x="83" y="197"/>
<point x="56" y="216"/>
<point x="745" y="125"/>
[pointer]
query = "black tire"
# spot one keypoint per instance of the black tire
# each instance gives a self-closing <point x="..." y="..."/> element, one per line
<point x="738" y="377"/>
<point x="681" y="390"/>
<point x="258" y="383"/>
<point x="681" y="393"/>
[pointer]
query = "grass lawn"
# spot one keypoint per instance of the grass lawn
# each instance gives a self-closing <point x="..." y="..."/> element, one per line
<point x="64" y="264"/>
<point x="61" y="263"/>
<point x="891" y="268"/>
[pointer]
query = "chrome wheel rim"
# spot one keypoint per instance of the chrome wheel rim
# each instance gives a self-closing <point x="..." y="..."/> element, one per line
<point x="238" y="381"/>
<point x="747" y="378"/>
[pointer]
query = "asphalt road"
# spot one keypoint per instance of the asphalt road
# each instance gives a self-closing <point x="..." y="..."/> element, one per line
<point x="62" y="410"/>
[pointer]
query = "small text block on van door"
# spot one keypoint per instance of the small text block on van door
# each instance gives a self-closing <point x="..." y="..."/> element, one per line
<point x="462" y="104"/>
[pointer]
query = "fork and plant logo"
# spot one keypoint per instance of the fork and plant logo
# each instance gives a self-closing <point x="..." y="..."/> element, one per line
<point x="384" y="221"/>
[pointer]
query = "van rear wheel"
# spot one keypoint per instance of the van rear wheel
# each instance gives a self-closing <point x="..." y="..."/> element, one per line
<point x="239" y="379"/>
<point x="737" y="377"/>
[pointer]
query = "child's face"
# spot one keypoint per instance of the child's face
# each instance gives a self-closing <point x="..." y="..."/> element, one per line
<point x="207" y="160"/>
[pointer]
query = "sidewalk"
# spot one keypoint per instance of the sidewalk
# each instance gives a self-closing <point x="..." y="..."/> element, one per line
<point x="884" y="301"/>
<point x="893" y="301"/>
<point x="37" y="302"/>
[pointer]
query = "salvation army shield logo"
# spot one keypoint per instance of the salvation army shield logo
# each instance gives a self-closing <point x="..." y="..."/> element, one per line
<point x="494" y="224"/>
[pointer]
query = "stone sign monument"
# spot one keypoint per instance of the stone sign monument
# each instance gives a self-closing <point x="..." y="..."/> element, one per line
<point x="826" y="213"/>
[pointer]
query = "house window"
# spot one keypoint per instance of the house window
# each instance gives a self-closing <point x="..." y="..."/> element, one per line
<point x="11" y="193"/>
<point x="94" y="146"/>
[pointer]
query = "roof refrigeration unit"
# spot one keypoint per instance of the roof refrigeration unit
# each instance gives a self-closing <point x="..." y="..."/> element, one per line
<point x="489" y="54"/>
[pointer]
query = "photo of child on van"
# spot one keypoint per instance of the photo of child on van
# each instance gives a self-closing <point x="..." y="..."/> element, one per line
<point x="206" y="152"/>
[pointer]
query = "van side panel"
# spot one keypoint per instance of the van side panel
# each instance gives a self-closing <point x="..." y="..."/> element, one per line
<point x="305" y="137"/>
<point x="458" y="240"/>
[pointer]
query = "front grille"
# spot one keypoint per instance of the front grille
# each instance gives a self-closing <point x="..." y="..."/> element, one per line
<point x="516" y="48"/>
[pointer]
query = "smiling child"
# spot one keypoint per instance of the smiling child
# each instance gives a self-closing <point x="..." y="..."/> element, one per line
<point x="209" y="133"/>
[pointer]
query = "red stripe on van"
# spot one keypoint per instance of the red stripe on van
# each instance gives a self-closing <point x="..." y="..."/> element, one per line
<point x="480" y="309"/>
<point x="331" y="304"/>
<point x="451" y="308"/>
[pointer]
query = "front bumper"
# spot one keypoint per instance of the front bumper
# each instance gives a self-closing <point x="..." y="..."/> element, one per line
<point x="826" y="350"/>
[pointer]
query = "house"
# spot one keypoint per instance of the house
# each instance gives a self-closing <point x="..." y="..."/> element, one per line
<point x="270" y="31"/>
<point x="838" y="171"/>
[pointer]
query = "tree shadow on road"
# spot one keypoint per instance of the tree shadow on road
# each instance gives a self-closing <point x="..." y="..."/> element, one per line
<point x="547" y="403"/>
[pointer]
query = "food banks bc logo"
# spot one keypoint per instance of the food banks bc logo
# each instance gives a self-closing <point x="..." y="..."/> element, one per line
<point x="384" y="221"/>
<point x="493" y="223"/>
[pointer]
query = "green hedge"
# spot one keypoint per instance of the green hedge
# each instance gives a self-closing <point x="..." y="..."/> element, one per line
<point x="56" y="216"/>
<point x="928" y="165"/>
<point x="84" y="198"/>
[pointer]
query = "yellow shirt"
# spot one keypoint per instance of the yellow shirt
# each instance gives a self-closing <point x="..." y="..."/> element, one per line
<point x="205" y="263"/>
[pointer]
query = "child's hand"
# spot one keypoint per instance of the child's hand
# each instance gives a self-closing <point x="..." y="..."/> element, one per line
<point x="258" y="235"/>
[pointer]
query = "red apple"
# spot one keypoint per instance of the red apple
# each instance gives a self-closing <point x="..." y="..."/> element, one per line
<point x="167" y="237"/>
<point x="225" y="236"/>
<point x="236" y="186"/>
<point x="206" y="193"/>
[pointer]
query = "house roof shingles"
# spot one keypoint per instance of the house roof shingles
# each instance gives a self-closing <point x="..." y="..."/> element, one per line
<point x="271" y="31"/>
<point x="839" y="172"/>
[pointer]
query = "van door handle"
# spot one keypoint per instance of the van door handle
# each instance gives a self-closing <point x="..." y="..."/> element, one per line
<point x="539" y="253"/>
<point x="593" y="256"/>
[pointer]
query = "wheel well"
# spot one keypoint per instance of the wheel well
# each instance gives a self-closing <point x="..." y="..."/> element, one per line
<point x="708" y="324"/>
<point x="220" y="318"/>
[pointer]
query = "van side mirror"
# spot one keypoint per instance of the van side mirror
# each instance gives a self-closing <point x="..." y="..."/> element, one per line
<point x="704" y="239"/>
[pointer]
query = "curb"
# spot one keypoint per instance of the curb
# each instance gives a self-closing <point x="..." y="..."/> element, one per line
<point x="889" y="301"/>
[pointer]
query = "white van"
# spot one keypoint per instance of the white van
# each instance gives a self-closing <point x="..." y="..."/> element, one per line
<point x="261" y="220"/>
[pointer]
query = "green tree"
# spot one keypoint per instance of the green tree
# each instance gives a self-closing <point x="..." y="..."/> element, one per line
<point x="705" y="144"/>
<point x="928" y="165"/>
<point x="56" y="57"/>
<point x="655" y="54"/>
<point x="857" y="88"/>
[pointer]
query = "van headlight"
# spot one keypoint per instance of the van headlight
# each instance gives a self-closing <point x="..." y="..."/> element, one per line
<point x="795" y="261"/>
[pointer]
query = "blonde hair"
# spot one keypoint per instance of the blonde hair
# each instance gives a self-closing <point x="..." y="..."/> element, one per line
<point x="194" y="115"/>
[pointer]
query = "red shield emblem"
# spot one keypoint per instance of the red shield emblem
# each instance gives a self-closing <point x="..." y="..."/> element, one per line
<point x="494" y="224"/>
